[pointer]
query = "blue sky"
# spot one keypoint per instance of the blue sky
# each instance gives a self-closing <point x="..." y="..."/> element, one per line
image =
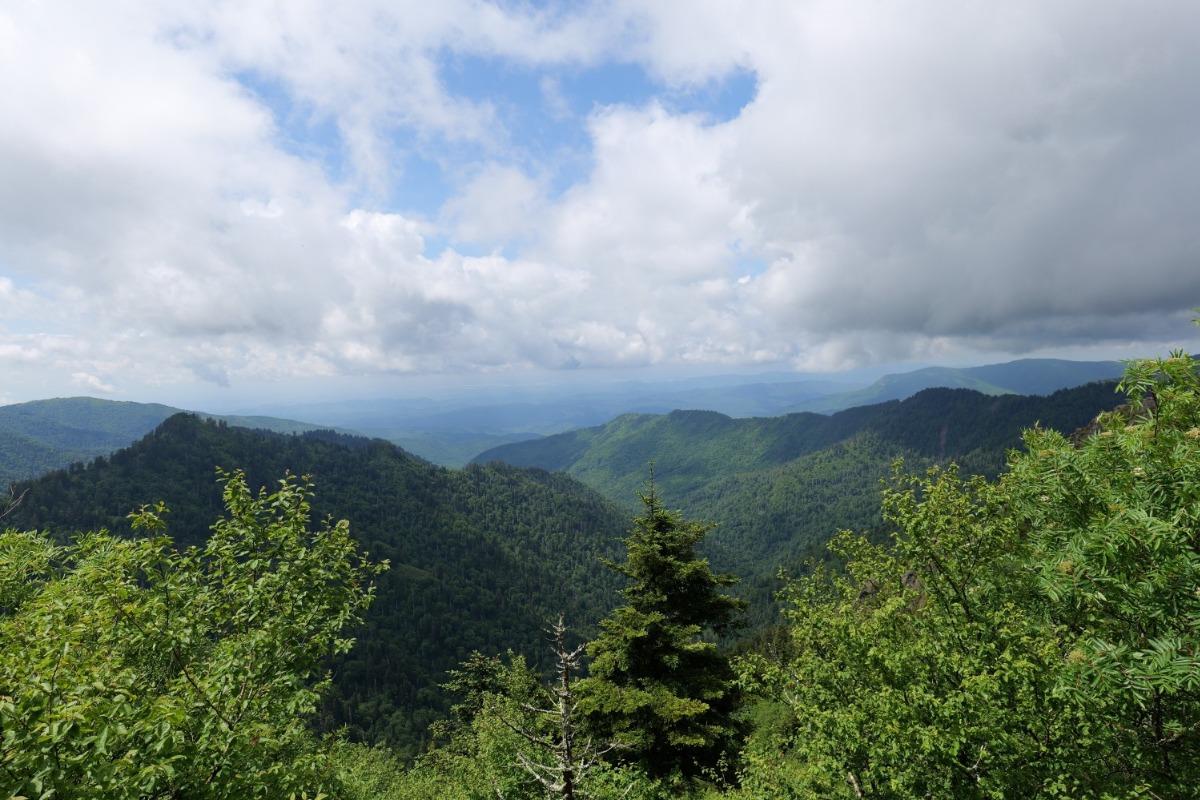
<point x="543" y="111"/>
<point x="234" y="200"/>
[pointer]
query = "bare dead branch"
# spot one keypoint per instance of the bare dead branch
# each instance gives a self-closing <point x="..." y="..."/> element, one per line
<point x="560" y="762"/>
<point x="850" y="777"/>
<point x="14" y="501"/>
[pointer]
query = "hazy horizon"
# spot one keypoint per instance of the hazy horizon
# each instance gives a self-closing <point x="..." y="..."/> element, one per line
<point x="463" y="391"/>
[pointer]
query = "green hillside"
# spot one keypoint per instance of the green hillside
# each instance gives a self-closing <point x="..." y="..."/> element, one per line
<point x="44" y="435"/>
<point x="689" y="448"/>
<point x="50" y="434"/>
<point x="778" y="487"/>
<point x="481" y="557"/>
<point x="1028" y="636"/>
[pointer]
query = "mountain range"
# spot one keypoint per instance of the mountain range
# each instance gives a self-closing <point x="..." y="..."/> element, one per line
<point x="483" y="556"/>
<point x="778" y="487"/>
<point x="452" y="428"/>
<point x="50" y="434"/>
<point x="1024" y="376"/>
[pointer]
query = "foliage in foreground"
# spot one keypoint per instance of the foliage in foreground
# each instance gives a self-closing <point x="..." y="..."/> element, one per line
<point x="1034" y="637"/>
<point x="654" y="718"/>
<point x="129" y="669"/>
<point x="490" y="737"/>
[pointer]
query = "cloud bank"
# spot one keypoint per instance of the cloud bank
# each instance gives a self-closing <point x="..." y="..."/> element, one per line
<point x="208" y="191"/>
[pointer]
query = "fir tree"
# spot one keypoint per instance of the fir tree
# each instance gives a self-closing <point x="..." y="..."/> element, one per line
<point x="656" y="681"/>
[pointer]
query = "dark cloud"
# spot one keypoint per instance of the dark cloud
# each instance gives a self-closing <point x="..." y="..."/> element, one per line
<point x="210" y="373"/>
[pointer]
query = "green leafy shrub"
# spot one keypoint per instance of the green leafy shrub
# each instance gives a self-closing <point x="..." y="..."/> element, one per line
<point x="1037" y="636"/>
<point x="129" y="669"/>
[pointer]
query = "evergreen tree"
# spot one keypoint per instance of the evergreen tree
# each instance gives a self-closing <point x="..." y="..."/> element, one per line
<point x="655" y="680"/>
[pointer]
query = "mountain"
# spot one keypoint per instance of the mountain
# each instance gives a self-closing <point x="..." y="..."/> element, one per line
<point x="480" y="558"/>
<point x="778" y="487"/>
<point x="1024" y="376"/>
<point x="43" y="435"/>
<point x="545" y="415"/>
<point x="689" y="447"/>
<point x="451" y="427"/>
<point x="451" y="430"/>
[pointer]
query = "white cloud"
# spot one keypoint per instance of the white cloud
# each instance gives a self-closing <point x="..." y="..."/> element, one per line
<point x="657" y="204"/>
<point x="907" y="182"/>
<point x="92" y="382"/>
<point x="918" y="179"/>
<point x="554" y="98"/>
<point x="372" y="66"/>
<point x="496" y="206"/>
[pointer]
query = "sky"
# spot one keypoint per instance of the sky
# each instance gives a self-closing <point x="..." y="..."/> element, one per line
<point x="235" y="200"/>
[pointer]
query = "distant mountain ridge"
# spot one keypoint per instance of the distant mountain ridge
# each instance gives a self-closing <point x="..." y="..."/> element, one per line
<point x="44" y="435"/>
<point x="779" y="487"/>
<point x="452" y="429"/>
<point x="938" y="423"/>
<point x="50" y="434"/>
<point x="1028" y="376"/>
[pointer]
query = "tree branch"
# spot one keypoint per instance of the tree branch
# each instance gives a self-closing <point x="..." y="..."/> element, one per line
<point x="14" y="502"/>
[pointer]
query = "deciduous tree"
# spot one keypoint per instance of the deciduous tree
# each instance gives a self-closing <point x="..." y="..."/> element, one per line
<point x="130" y="669"/>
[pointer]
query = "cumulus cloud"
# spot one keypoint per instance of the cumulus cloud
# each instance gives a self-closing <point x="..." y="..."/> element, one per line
<point x="210" y="373"/>
<point x="92" y="382"/>
<point x="498" y="205"/>
<point x="908" y="182"/>
<point x="1022" y="168"/>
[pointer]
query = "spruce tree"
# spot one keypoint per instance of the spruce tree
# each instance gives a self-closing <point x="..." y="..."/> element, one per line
<point x="656" y="682"/>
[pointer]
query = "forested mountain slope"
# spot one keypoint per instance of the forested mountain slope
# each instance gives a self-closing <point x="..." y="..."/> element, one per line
<point x="49" y="434"/>
<point x="693" y="447"/>
<point x="43" y="435"/>
<point x="481" y="557"/>
<point x="779" y="487"/>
